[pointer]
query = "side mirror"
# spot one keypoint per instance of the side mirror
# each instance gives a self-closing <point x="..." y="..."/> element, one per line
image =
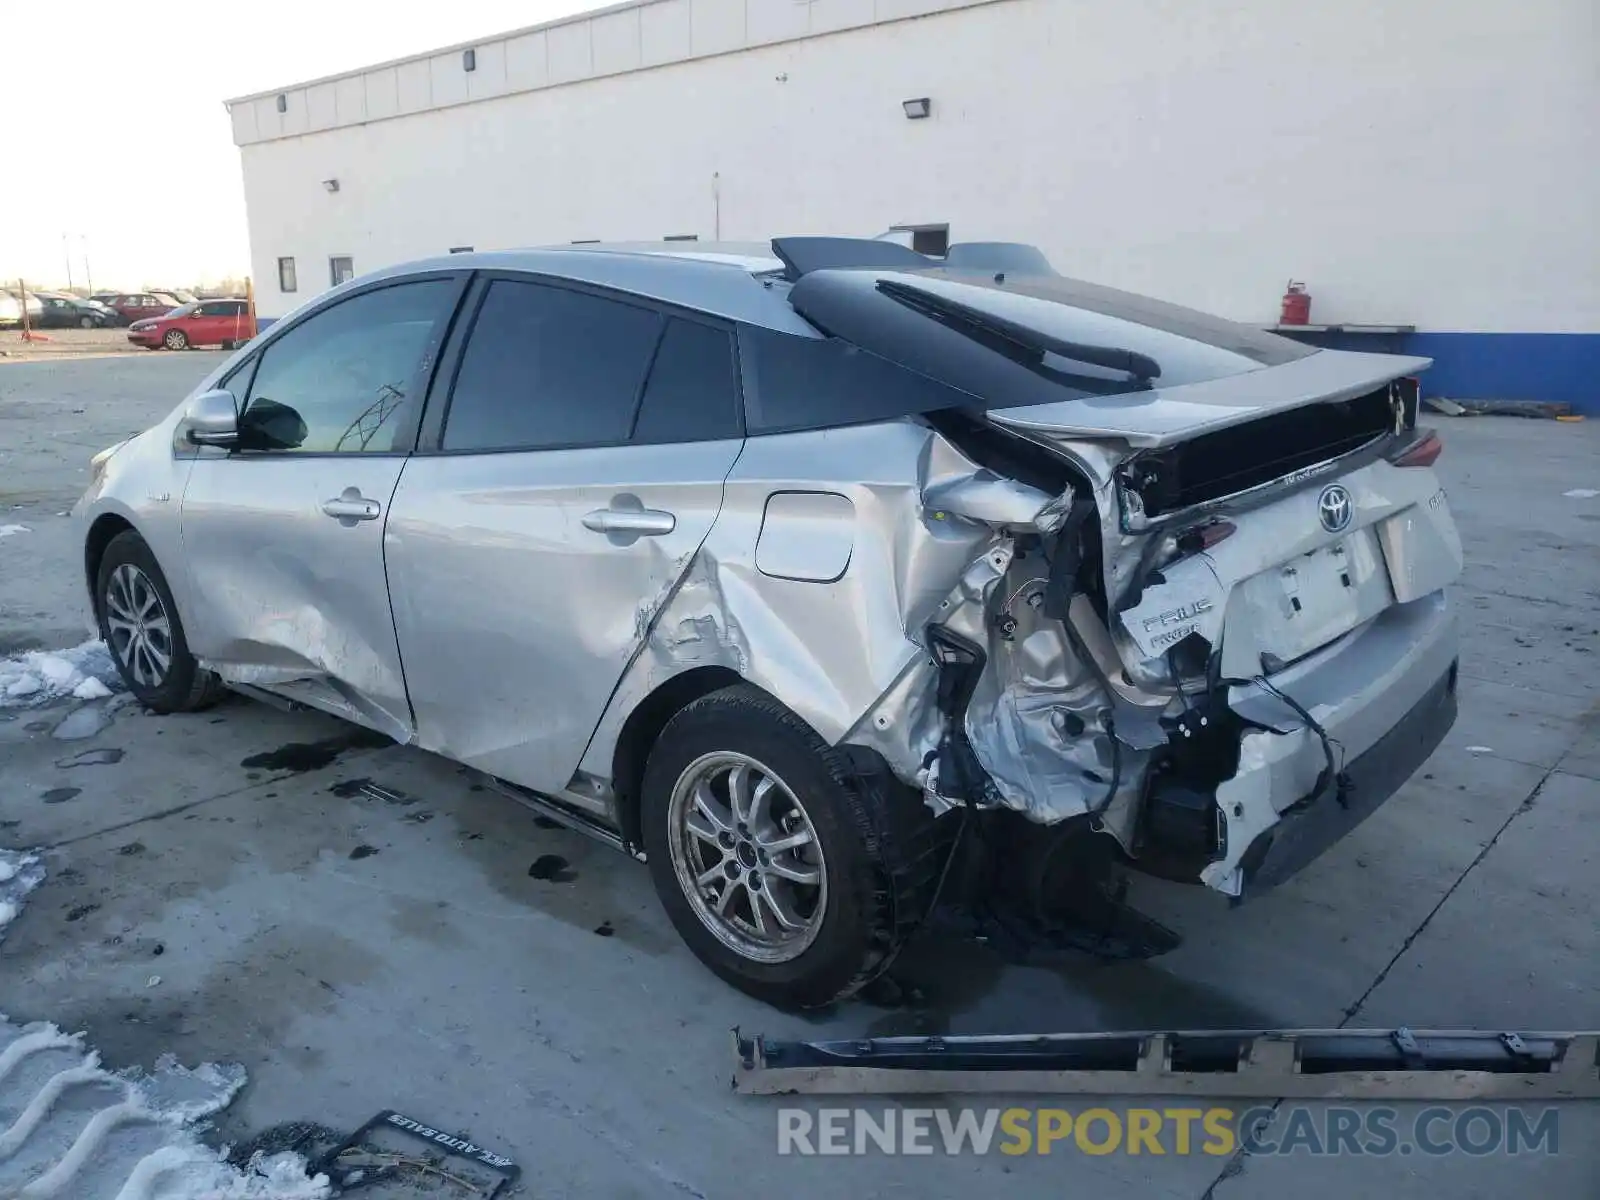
<point x="211" y="420"/>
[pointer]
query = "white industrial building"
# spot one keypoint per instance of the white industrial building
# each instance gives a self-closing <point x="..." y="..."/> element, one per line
<point x="1418" y="163"/>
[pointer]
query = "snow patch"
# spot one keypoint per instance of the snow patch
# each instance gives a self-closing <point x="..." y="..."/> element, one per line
<point x="91" y="689"/>
<point x="1581" y="493"/>
<point x="9" y="530"/>
<point x="20" y="873"/>
<point x="171" y="1097"/>
<point x="43" y="676"/>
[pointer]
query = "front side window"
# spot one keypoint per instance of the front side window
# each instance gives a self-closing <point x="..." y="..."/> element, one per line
<point x="549" y="367"/>
<point x="341" y="381"/>
<point x="341" y="269"/>
<point x="286" y="276"/>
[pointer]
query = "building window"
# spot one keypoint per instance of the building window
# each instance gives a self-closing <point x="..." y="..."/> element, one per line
<point x="469" y="60"/>
<point x="283" y="103"/>
<point x="927" y="239"/>
<point x="460" y="249"/>
<point x="286" y="279"/>
<point x="683" y="237"/>
<point x="585" y="241"/>
<point x="341" y="269"/>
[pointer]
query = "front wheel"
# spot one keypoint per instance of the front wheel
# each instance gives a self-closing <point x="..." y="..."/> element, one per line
<point x="85" y="322"/>
<point x="762" y="851"/>
<point x="139" y="622"/>
<point x="175" y="339"/>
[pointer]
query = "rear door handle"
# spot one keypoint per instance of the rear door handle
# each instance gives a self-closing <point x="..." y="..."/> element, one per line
<point x="649" y="522"/>
<point x="351" y="506"/>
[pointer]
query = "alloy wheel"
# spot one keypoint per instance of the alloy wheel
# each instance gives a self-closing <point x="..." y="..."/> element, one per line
<point x="138" y="627"/>
<point x="747" y="857"/>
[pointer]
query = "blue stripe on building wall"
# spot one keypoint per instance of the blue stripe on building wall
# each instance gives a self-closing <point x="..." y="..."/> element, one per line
<point x="1494" y="366"/>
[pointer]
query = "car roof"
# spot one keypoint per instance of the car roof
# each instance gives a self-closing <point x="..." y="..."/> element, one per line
<point x="737" y="281"/>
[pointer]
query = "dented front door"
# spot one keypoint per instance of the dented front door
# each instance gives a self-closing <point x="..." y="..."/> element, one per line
<point x="288" y="555"/>
<point x="283" y="537"/>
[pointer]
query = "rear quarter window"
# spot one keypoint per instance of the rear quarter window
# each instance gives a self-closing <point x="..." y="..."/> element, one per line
<point x="692" y="394"/>
<point x="793" y="383"/>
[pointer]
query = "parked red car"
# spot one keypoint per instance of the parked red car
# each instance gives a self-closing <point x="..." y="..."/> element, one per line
<point x="135" y="306"/>
<point x="222" y="323"/>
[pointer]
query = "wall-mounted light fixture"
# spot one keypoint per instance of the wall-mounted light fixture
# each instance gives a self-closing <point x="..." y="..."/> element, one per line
<point x="469" y="60"/>
<point x="331" y="184"/>
<point x="917" y="109"/>
<point x="283" y="102"/>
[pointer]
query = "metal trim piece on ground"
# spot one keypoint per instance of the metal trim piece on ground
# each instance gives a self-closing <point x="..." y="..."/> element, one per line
<point x="1345" y="1064"/>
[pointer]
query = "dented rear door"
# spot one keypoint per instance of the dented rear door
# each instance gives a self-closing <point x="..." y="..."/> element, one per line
<point x="529" y="550"/>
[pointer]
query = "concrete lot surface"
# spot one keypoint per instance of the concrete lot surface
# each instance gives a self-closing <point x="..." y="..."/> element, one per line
<point x="224" y="890"/>
<point x="66" y="343"/>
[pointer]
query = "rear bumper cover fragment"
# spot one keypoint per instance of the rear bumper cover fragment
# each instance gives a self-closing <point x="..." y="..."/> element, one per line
<point x="1301" y="835"/>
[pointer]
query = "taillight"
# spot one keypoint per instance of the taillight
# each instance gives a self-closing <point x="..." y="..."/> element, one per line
<point x="1422" y="452"/>
<point x="1203" y="537"/>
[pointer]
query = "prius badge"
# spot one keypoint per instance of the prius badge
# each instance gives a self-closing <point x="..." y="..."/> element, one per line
<point x="1334" y="507"/>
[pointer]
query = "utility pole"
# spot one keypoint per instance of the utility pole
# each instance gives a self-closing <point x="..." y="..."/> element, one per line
<point x="66" y="249"/>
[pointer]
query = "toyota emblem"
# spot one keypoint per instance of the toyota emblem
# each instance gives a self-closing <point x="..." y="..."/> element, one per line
<point x="1334" y="507"/>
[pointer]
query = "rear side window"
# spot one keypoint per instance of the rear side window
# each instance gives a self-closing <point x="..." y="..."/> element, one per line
<point x="793" y="383"/>
<point x="693" y="391"/>
<point x="548" y="367"/>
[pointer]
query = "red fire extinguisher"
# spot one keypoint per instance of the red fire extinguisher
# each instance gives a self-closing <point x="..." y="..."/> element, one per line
<point x="1296" y="305"/>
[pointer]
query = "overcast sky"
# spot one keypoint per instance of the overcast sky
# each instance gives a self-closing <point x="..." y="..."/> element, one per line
<point x="114" y="133"/>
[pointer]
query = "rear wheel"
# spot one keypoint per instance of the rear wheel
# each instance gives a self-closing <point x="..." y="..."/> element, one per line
<point x="763" y="852"/>
<point x="175" y="339"/>
<point x="139" y="621"/>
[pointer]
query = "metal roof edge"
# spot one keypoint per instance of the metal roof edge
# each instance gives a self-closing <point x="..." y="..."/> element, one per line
<point x="423" y="55"/>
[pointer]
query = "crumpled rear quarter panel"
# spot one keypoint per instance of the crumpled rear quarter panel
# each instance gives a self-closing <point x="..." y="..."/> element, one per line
<point x="829" y="648"/>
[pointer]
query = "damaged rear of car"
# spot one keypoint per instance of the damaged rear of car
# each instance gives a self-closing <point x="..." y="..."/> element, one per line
<point x="1161" y="591"/>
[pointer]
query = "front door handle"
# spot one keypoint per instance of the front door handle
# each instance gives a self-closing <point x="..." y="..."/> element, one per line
<point x="351" y="506"/>
<point x="648" y="522"/>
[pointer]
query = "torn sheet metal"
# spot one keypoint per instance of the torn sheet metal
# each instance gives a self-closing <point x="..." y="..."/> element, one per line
<point x="995" y="500"/>
<point x="930" y="546"/>
<point x="1038" y="719"/>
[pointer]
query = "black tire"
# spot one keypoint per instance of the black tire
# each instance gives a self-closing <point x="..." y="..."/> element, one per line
<point x="86" y="322"/>
<point x="175" y="339"/>
<point x="860" y="929"/>
<point x="184" y="686"/>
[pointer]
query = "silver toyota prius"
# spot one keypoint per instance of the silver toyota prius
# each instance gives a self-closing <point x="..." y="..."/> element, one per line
<point x="835" y="581"/>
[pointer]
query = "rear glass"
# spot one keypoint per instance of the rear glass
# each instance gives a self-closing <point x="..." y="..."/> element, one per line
<point x="1021" y="340"/>
<point x="1087" y="312"/>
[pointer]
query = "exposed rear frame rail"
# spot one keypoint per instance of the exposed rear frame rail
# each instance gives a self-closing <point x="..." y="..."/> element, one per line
<point x="1306" y="1064"/>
